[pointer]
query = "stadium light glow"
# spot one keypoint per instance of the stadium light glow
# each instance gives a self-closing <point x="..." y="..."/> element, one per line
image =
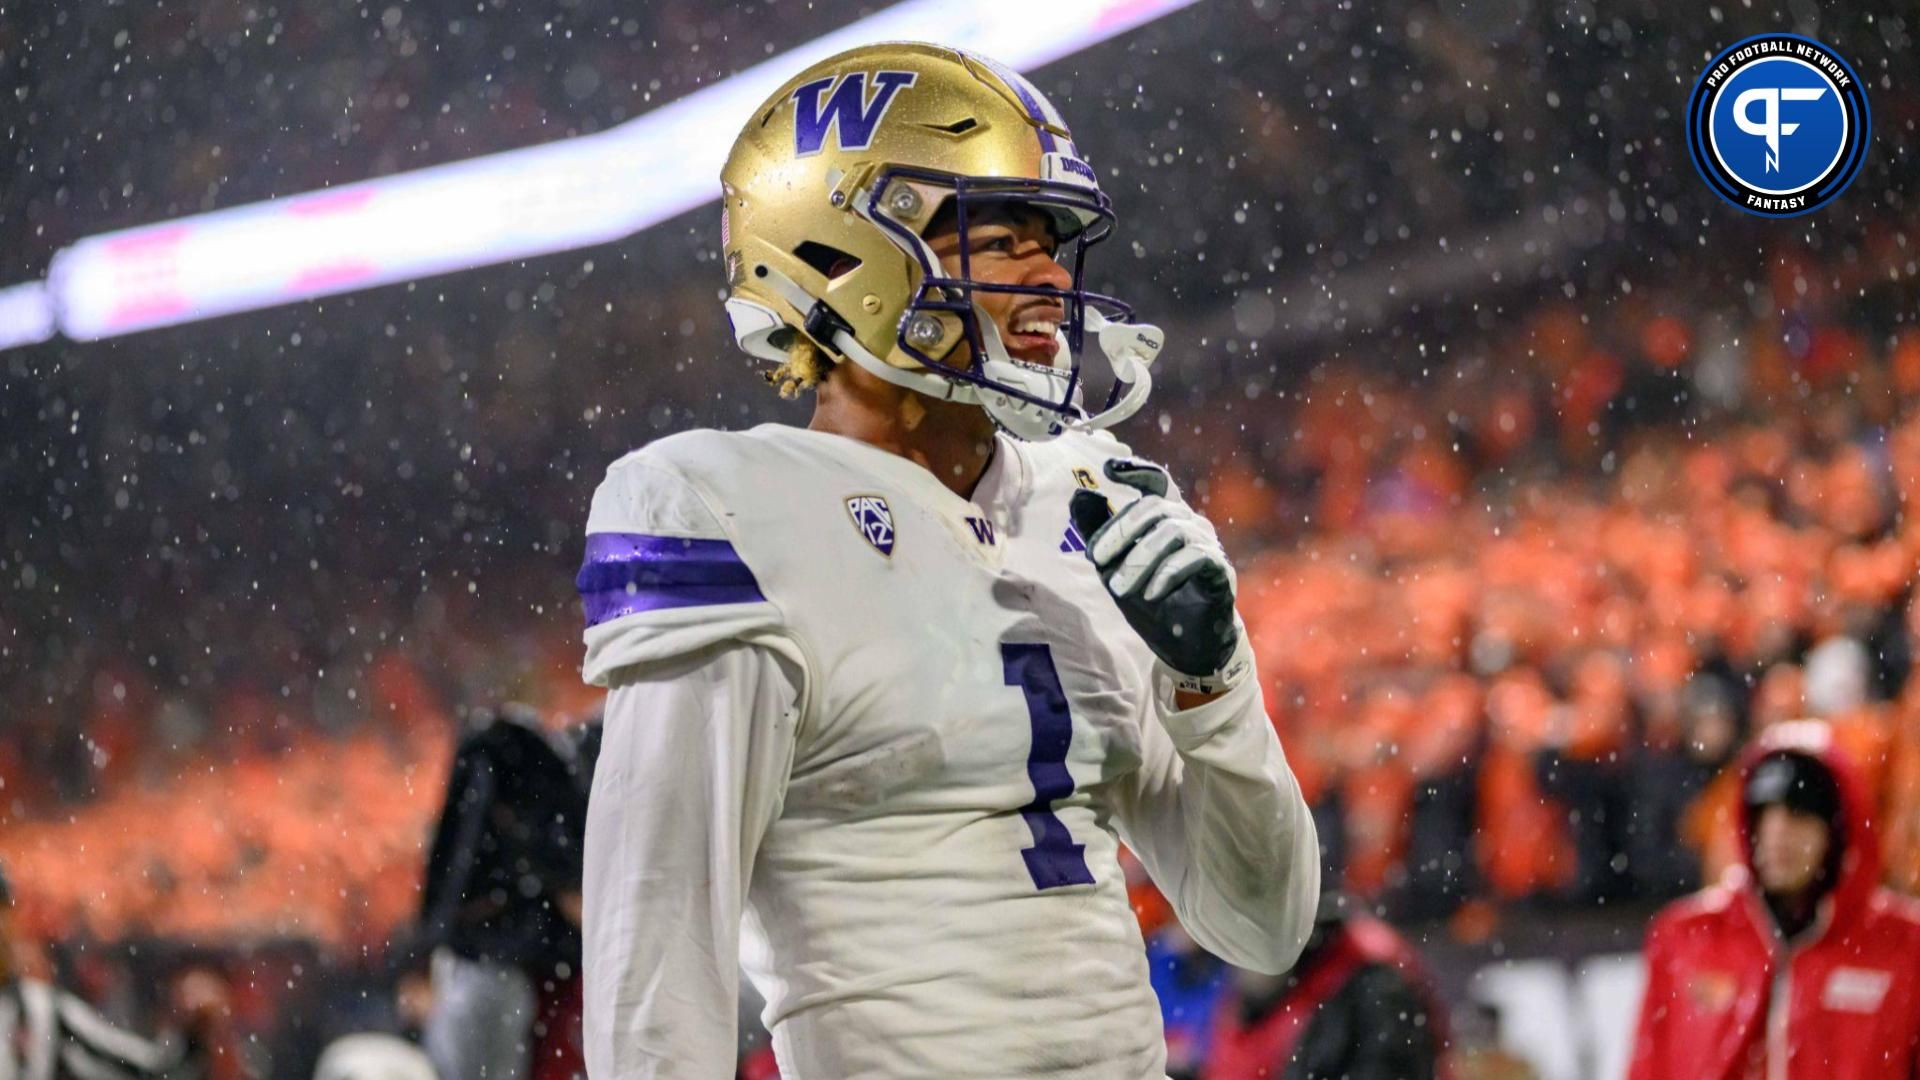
<point x="26" y="314"/>
<point x="555" y="197"/>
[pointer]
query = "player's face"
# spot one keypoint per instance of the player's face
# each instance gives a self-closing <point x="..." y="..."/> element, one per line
<point x="1789" y="848"/>
<point x="1010" y="245"/>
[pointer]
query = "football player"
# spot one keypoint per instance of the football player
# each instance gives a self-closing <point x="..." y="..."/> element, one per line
<point x="887" y="693"/>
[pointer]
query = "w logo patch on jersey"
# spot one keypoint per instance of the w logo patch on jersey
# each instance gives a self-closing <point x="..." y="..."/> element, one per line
<point x="851" y="108"/>
<point x="874" y="518"/>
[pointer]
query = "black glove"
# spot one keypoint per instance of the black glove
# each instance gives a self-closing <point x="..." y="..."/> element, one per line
<point x="1169" y="576"/>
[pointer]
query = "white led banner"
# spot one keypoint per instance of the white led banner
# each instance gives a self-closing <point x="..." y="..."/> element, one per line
<point x="556" y="197"/>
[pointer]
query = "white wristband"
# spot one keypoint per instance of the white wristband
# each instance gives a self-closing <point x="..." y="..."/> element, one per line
<point x="1237" y="669"/>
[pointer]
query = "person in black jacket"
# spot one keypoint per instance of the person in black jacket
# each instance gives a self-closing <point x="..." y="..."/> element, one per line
<point x="501" y="903"/>
<point x="1357" y="1006"/>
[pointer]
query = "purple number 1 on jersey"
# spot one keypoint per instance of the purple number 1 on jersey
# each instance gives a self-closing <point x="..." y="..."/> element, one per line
<point x="1054" y="860"/>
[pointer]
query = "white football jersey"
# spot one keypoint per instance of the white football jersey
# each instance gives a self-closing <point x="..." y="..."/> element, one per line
<point x="899" y="735"/>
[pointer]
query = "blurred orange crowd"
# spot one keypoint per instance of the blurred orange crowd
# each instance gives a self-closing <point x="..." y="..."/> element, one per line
<point x="296" y="835"/>
<point x="322" y="842"/>
<point x="1439" y="620"/>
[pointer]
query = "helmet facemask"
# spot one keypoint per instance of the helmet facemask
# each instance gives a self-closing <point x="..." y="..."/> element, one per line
<point x="1030" y="400"/>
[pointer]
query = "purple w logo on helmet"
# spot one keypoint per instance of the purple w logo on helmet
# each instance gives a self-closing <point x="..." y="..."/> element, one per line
<point x="856" y="113"/>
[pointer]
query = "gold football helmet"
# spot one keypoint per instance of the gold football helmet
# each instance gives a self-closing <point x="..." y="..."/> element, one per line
<point x="828" y="194"/>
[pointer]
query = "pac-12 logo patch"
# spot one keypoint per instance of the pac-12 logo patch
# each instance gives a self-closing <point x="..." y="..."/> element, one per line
<point x="874" y="519"/>
<point x="1778" y="125"/>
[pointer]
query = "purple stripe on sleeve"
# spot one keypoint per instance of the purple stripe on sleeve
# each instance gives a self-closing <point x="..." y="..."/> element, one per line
<point x="626" y="573"/>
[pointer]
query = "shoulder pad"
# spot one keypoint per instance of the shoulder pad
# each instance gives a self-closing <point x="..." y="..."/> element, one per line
<point x="661" y="576"/>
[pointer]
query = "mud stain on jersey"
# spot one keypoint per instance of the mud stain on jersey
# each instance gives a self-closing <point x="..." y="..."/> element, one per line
<point x="866" y="778"/>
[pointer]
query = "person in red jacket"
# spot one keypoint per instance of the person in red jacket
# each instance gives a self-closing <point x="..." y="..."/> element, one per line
<point x="1797" y="965"/>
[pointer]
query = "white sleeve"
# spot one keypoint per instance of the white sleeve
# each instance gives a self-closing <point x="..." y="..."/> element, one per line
<point x="1217" y="818"/>
<point x="691" y="774"/>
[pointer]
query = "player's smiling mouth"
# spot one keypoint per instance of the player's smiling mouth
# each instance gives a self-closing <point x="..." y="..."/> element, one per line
<point x="1033" y="333"/>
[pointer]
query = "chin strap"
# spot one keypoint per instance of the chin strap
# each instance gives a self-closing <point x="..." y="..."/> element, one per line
<point x="1128" y="349"/>
<point x="1131" y="349"/>
<point x="754" y="327"/>
<point x="926" y="382"/>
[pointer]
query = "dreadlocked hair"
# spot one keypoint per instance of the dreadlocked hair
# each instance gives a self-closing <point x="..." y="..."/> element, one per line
<point x="803" y="369"/>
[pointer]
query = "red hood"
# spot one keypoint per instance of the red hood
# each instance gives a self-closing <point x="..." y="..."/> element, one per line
<point x="1860" y="864"/>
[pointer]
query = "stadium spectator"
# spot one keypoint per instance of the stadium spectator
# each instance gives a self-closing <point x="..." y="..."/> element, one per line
<point x="1797" y="963"/>
<point x="1358" y="1006"/>
<point x="502" y="896"/>
<point x="1585" y="767"/>
<point x="1667" y="774"/>
<point x="1442" y="753"/>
